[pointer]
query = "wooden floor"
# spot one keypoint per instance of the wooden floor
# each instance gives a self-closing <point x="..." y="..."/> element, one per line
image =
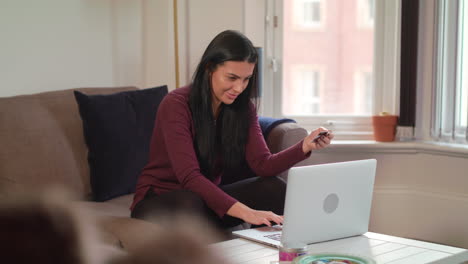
<point x="381" y="248"/>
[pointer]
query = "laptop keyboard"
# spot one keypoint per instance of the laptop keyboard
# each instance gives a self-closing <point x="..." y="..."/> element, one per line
<point x="276" y="237"/>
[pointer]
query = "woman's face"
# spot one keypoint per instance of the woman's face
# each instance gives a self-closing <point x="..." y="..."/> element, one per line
<point x="229" y="80"/>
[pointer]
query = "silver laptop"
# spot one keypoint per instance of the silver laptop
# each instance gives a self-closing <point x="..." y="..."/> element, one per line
<point x="323" y="202"/>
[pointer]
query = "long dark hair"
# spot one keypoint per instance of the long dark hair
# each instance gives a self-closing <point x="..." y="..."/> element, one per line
<point x="228" y="135"/>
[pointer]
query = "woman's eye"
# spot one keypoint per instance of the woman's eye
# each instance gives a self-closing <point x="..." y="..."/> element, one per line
<point x="232" y="78"/>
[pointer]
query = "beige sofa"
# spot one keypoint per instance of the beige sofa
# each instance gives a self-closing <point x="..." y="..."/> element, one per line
<point x="42" y="144"/>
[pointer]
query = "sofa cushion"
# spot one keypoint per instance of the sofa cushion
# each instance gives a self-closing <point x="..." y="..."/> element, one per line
<point x="117" y="130"/>
<point x="132" y="233"/>
<point x="119" y="206"/>
<point x="42" y="143"/>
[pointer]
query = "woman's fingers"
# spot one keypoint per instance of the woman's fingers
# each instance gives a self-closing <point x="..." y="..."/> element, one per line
<point x="264" y="217"/>
<point x="323" y="141"/>
<point x="255" y="217"/>
<point x="275" y="218"/>
<point x="278" y="220"/>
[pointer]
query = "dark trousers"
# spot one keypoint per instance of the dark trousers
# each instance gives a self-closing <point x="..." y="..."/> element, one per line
<point x="257" y="193"/>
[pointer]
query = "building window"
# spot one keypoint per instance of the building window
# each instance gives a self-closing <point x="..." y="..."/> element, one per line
<point x="365" y="13"/>
<point x="308" y="14"/>
<point x="311" y="12"/>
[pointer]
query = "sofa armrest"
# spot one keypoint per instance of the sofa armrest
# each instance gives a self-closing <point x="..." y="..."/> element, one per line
<point x="283" y="136"/>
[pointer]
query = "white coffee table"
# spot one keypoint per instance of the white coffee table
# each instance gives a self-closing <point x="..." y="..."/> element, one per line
<point x="381" y="248"/>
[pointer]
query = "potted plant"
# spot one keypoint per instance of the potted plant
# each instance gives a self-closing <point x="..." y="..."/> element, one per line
<point x="384" y="126"/>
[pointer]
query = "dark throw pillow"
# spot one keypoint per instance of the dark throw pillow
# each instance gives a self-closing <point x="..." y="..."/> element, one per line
<point x="268" y="123"/>
<point x="117" y="130"/>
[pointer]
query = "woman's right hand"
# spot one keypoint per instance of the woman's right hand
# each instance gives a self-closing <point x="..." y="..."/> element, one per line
<point x="310" y="142"/>
<point x="254" y="217"/>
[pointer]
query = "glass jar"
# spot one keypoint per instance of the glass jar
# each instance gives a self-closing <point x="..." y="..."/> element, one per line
<point x="290" y="250"/>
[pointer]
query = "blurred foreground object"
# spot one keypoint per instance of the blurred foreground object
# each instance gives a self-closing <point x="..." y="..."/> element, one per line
<point x="41" y="228"/>
<point x="177" y="241"/>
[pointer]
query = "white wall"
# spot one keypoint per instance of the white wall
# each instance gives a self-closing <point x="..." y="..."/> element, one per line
<point x="54" y="44"/>
<point x="158" y="43"/>
<point x="126" y="31"/>
<point x="199" y="22"/>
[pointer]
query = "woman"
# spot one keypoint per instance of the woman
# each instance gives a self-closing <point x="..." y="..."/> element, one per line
<point x="208" y="154"/>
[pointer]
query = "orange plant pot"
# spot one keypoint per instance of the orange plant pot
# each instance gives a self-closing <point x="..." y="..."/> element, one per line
<point x="384" y="127"/>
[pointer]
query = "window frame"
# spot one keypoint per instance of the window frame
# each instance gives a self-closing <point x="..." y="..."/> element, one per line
<point x="386" y="69"/>
<point x="447" y="72"/>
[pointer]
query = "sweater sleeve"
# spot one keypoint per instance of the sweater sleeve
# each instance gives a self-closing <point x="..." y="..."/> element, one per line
<point x="259" y="157"/>
<point x="176" y="129"/>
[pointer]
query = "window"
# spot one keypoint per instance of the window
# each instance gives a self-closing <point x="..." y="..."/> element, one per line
<point x="366" y="12"/>
<point x="450" y="111"/>
<point x="462" y="120"/>
<point x="341" y="49"/>
<point x="345" y="99"/>
<point x="310" y="12"/>
<point x="306" y="14"/>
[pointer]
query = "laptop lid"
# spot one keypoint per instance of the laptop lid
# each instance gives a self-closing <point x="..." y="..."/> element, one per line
<point x="328" y="201"/>
<point x="323" y="202"/>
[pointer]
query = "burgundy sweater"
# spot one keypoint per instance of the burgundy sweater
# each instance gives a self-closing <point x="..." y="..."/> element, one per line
<point x="173" y="164"/>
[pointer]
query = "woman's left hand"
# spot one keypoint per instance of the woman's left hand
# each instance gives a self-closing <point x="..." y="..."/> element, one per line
<point x="321" y="142"/>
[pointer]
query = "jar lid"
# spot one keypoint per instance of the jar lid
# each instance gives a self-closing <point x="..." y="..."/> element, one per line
<point x="289" y="246"/>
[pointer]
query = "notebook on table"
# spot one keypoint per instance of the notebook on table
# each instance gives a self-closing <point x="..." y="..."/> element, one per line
<point x="323" y="202"/>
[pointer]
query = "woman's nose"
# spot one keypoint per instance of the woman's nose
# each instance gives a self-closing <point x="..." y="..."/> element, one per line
<point x="239" y="87"/>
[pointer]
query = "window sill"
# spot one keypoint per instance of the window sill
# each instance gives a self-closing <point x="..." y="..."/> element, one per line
<point x="371" y="146"/>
